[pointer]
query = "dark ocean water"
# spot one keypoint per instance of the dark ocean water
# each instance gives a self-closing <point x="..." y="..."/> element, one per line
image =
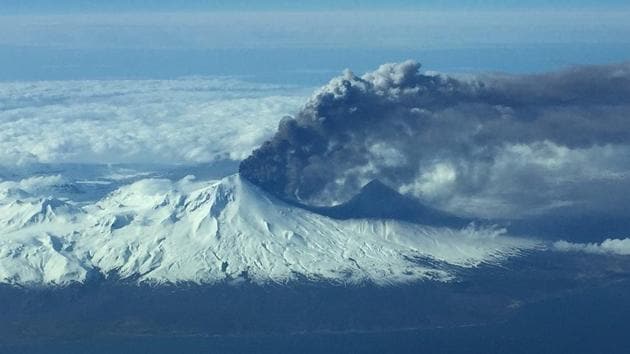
<point x="537" y="304"/>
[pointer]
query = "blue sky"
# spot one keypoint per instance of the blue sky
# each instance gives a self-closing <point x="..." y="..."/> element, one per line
<point x="302" y="41"/>
<point x="29" y="6"/>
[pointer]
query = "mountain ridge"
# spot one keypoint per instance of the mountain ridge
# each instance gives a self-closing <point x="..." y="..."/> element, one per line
<point x="163" y="231"/>
<point x="377" y="200"/>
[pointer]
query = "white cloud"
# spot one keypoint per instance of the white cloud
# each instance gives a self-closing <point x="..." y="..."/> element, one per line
<point x="535" y="178"/>
<point x="436" y="182"/>
<point x="138" y="121"/>
<point x="609" y="246"/>
<point x="30" y="185"/>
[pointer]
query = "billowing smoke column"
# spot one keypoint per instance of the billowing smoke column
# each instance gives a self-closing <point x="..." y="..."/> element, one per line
<point x="488" y="144"/>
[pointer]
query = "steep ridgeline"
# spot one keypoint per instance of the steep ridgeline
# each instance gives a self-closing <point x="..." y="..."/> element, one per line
<point x="160" y="231"/>
<point x="378" y="201"/>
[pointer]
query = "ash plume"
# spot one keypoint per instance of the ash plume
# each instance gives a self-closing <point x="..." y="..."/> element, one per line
<point x="486" y="145"/>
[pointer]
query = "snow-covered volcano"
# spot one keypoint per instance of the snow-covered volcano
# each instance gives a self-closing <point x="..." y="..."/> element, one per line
<point x="161" y="231"/>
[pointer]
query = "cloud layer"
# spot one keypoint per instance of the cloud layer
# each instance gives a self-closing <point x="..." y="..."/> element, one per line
<point x="138" y="121"/>
<point x="488" y="145"/>
<point x="609" y="246"/>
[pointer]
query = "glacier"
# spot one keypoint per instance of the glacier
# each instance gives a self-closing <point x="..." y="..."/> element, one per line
<point x="159" y="230"/>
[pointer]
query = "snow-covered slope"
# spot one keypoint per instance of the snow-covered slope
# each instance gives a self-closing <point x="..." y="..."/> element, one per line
<point x="162" y="231"/>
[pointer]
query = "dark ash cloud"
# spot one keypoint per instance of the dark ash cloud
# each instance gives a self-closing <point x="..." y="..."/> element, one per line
<point x="489" y="145"/>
